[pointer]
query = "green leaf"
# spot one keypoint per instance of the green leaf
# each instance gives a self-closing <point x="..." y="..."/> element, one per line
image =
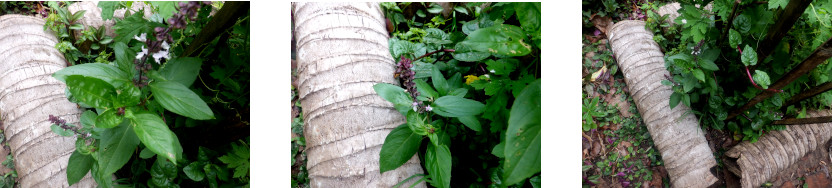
<point x="535" y="181"/>
<point x="459" y="92"/>
<point x="688" y="83"/>
<point x="134" y="25"/>
<point x="117" y="147"/>
<point x="425" y="89"/>
<point x="502" y="66"/>
<point x="77" y="167"/>
<point x="762" y="79"/>
<point x="416" y="123"/>
<point x="471" y="122"/>
<point x="146" y="153"/>
<point x="179" y="99"/>
<point x="742" y="24"/>
<point x="108" y="119"/>
<point x="499" y="150"/>
<point x="674" y="99"/>
<point x="103" y="180"/>
<point x="749" y="56"/>
<point x="523" y="136"/>
<point x="128" y="95"/>
<point x="399" y="146"/>
<point x="91" y="91"/>
<point x="708" y="58"/>
<point x="166" y="8"/>
<point x="501" y="39"/>
<point x="238" y="159"/>
<point x="438" y="164"/>
<point x="396" y="95"/>
<point x="108" y="73"/>
<point x="153" y="132"/>
<point x="439" y="81"/>
<point x="461" y="9"/>
<point x="734" y="38"/>
<point x="529" y="15"/>
<point x="61" y="131"/>
<point x="77" y="27"/>
<point x="455" y="106"/>
<point x="699" y="74"/>
<point x="435" y="9"/>
<point x="107" y="9"/>
<point x="398" y="48"/>
<point x="182" y="70"/>
<point x="88" y="119"/>
<point x="194" y="171"/>
<point x="465" y="52"/>
<point x="124" y="56"/>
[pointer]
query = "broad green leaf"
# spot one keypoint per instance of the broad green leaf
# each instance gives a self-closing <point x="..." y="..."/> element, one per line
<point x="688" y="83"/>
<point x="499" y="150"/>
<point x="77" y="167"/>
<point x="438" y="164"/>
<point x="667" y="83"/>
<point x="471" y="122"/>
<point x="416" y="123"/>
<point x="459" y="92"/>
<point x="465" y="52"/>
<point x="124" y="56"/>
<point x="470" y="26"/>
<point x="502" y="66"/>
<point x="61" y="131"/>
<point x="454" y="82"/>
<point x="742" y="24"/>
<point x="117" y="147"/>
<point x="675" y="98"/>
<point x="77" y="27"/>
<point x="529" y="15"/>
<point x="396" y="95"/>
<point x="182" y="70"/>
<point x="108" y="119"/>
<point x="535" y="181"/>
<point x="108" y="73"/>
<point x="422" y="69"/>
<point x="734" y="38"/>
<point x="523" y="136"/>
<point x="194" y="171"/>
<point x="238" y="159"/>
<point x="749" y="56"/>
<point x="699" y="74"/>
<point x="399" y="146"/>
<point x="762" y="79"/>
<point x="179" y="99"/>
<point x="425" y="89"/>
<point x="128" y="95"/>
<point x="88" y="119"/>
<point x="166" y="8"/>
<point x="146" y="153"/>
<point x="707" y="59"/>
<point x="501" y="39"/>
<point x="91" y="91"/>
<point x="398" y="48"/>
<point x="435" y="8"/>
<point x="461" y="9"/>
<point x="153" y="132"/>
<point x="708" y="65"/>
<point x="134" y="25"/>
<point x="436" y="36"/>
<point x="439" y="82"/>
<point x="456" y="106"/>
<point x="103" y="180"/>
<point x="107" y="9"/>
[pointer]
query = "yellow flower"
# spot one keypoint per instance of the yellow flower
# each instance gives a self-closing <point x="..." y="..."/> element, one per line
<point x="470" y="78"/>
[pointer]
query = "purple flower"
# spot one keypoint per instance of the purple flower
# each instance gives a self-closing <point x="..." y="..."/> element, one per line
<point x="621" y="174"/>
<point x="597" y="32"/>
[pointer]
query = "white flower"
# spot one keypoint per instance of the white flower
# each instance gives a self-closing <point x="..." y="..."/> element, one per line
<point x="492" y="71"/>
<point x="161" y="54"/>
<point x="415" y="108"/>
<point x="142" y="37"/>
<point x="142" y="53"/>
<point x="486" y="75"/>
<point x="684" y="21"/>
<point x="165" y="45"/>
<point x="428" y="108"/>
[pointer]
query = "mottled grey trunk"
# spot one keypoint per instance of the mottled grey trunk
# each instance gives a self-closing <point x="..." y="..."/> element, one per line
<point x="342" y="52"/>
<point x="685" y="152"/>
<point x="28" y="95"/>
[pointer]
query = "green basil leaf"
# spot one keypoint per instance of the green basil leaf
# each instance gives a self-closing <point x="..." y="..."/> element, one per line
<point x="103" y="180"/>
<point x="166" y="8"/>
<point x="108" y="73"/>
<point x="396" y="95"/>
<point x="459" y="92"/>
<point x="708" y="65"/>
<point x="88" y="119"/>
<point x="742" y="24"/>
<point x="107" y="9"/>
<point x="435" y="9"/>
<point x="146" y="153"/>
<point x="674" y="99"/>
<point x="502" y="66"/>
<point x="128" y="95"/>
<point x="456" y="106"/>
<point x="734" y="38"/>
<point x="117" y="145"/>
<point x="153" y="132"/>
<point x="465" y="52"/>
<point x="194" y="171"/>
<point x="108" y="119"/>
<point x="529" y="15"/>
<point x="762" y="79"/>
<point x="461" y="9"/>
<point x="91" y="91"/>
<point x="179" y="99"/>
<point x="438" y="163"/>
<point x="416" y="123"/>
<point x="182" y="70"/>
<point x="499" y="150"/>
<point x="471" y="122"/>
<point x="439" y="82"/>
<point x="61" y="131"/>
<point x="425" y="89"/>
<point x="124" y="56"/>
<point x="501" y="39"/>
<point x="749" y="56"/>
<point x="399" y="146"/>
<point x="699" y="74"/>
<point x="523" y="136"/>
<point x="77" y="167"/>
<point x="454" y="82"/>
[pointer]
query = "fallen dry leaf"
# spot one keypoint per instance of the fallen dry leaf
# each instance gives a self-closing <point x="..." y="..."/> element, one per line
<point x="622" y="105"/>
<point x="601" y="22"/>
<point x="599" y="74"/>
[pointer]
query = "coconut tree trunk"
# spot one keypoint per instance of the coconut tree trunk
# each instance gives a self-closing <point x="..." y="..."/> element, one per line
<point x="342" y="51"/>
<point x="677" y="135"/>
<point x="28" y="95"/>
<point x="757" y="162"/>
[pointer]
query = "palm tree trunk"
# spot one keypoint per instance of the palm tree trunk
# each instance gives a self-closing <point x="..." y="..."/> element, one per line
<point x="28" y="95"/>
<point x="342" y="52"/>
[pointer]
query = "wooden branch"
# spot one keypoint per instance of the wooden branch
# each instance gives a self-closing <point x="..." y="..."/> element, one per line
<point x="800" y="121"/>
<point x="818" y="56"/>
<point x="784" y="23"/>
<point x="224" y="19"/>
<point x="729" y="23"/>
<point x="808" y="94"/>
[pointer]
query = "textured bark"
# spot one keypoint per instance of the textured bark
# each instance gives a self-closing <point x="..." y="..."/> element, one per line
<point x="677" y="135"/>
<point x="342" y="53"/>
<point x="777" y="150"/>
<point x="28" y="95"/>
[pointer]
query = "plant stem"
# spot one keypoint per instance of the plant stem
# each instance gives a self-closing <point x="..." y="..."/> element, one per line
<point x="427" y="54"/>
